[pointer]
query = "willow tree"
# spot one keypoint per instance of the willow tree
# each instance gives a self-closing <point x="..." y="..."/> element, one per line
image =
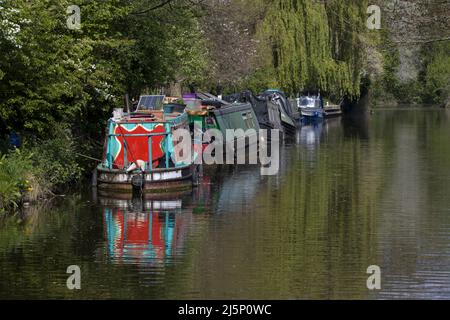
<point x="315" y="45"/>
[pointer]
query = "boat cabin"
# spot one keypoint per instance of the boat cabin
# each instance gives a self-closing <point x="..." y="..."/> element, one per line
<point x="310" y="102"/>
<point x="139" y="149"/>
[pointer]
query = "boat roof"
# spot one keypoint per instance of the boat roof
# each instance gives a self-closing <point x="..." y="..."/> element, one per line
<point x="206" y="96"/>
<point x="231" y="108"/>
<point x="149" y="116"/>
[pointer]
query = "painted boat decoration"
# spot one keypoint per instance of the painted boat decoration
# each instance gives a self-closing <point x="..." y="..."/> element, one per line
<point x="139" y="151"/>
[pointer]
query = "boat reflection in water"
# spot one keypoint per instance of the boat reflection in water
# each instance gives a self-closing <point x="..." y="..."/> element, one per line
<point x="144" y="231"/>
<point x="151" y="230"/>
<point x="309" y="135"/>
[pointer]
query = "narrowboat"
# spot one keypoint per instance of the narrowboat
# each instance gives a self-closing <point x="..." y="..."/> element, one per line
<point x="288" y="118"/>
<point x="311" y="108"/>
<point x="266" y="111"/>
<point x="139" y="151"/>
<point x="214" y="113"/>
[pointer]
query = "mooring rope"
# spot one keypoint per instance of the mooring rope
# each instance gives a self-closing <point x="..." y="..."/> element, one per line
<point x="88" y="157"/>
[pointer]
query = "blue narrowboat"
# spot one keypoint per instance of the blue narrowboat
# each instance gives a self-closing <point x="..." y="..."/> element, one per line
<point x="311" y="108"/>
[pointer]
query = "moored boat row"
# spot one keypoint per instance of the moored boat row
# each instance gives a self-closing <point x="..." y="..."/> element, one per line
<point x="140" y="150"/>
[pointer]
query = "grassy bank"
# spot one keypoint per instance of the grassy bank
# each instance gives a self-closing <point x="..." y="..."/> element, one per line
<point x="38" y="169"/>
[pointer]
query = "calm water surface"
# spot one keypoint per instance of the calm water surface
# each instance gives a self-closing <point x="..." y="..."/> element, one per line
<point x="354" y="192"/>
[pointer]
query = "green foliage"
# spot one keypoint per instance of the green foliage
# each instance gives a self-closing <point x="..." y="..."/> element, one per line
<point x="14" y="172"/>
<point x="57" y="83"/>
<point x="432" y="85"/>
<point x="316" y="46"/>
<point x="55" y="160"/>
<point x="437" y="73"/>
<point x="35" y="170"/>
<point x="260" y="80"/>
<point x="52" y="74"/>
<point x="167" y="46"/>
<point x="391" y="62"/>
<point x="386" y="88"/>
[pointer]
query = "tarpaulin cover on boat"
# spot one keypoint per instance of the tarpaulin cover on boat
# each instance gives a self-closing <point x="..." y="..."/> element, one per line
<point x="266" y="111"/>
<point x="284" y="103"/>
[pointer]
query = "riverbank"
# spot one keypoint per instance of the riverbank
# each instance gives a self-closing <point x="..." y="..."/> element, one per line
<point x="39" y="169"/>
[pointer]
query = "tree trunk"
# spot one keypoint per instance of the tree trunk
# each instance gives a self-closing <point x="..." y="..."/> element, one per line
<point x="174" y="89"/>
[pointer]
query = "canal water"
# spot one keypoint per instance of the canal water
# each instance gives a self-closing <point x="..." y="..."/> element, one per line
<point x="351" y="193"/>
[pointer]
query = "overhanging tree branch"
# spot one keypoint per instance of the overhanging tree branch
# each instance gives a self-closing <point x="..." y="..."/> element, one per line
<point x="162" y="4"/>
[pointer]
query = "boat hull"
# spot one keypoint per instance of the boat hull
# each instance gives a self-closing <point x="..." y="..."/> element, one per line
<point x="154" y="181"/>
<point x="312" y="114"/>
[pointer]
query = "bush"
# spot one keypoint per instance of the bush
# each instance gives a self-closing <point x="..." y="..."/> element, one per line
<point x="55" y="160"/>
<point x="45" y="166"/>
<point x="15" y="175"/>
<point x="437" y="74"/>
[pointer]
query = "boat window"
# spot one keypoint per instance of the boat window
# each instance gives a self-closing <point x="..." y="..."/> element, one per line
<point x="304" y="101"/>
<point x="307" y="102"/>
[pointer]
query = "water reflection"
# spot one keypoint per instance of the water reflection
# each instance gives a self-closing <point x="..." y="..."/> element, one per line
<point x="348" y="195"/>
<point x="357" y="125"/>
<point x="229" y="197"/>
<point x="151" y="234"/>
<point x="312" y="135"/>
<point x="150" y="230"/>
<point x="309" y="135"/>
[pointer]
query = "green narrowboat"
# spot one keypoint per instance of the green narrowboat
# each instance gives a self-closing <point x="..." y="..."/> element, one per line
<point x="211" y="112"/>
